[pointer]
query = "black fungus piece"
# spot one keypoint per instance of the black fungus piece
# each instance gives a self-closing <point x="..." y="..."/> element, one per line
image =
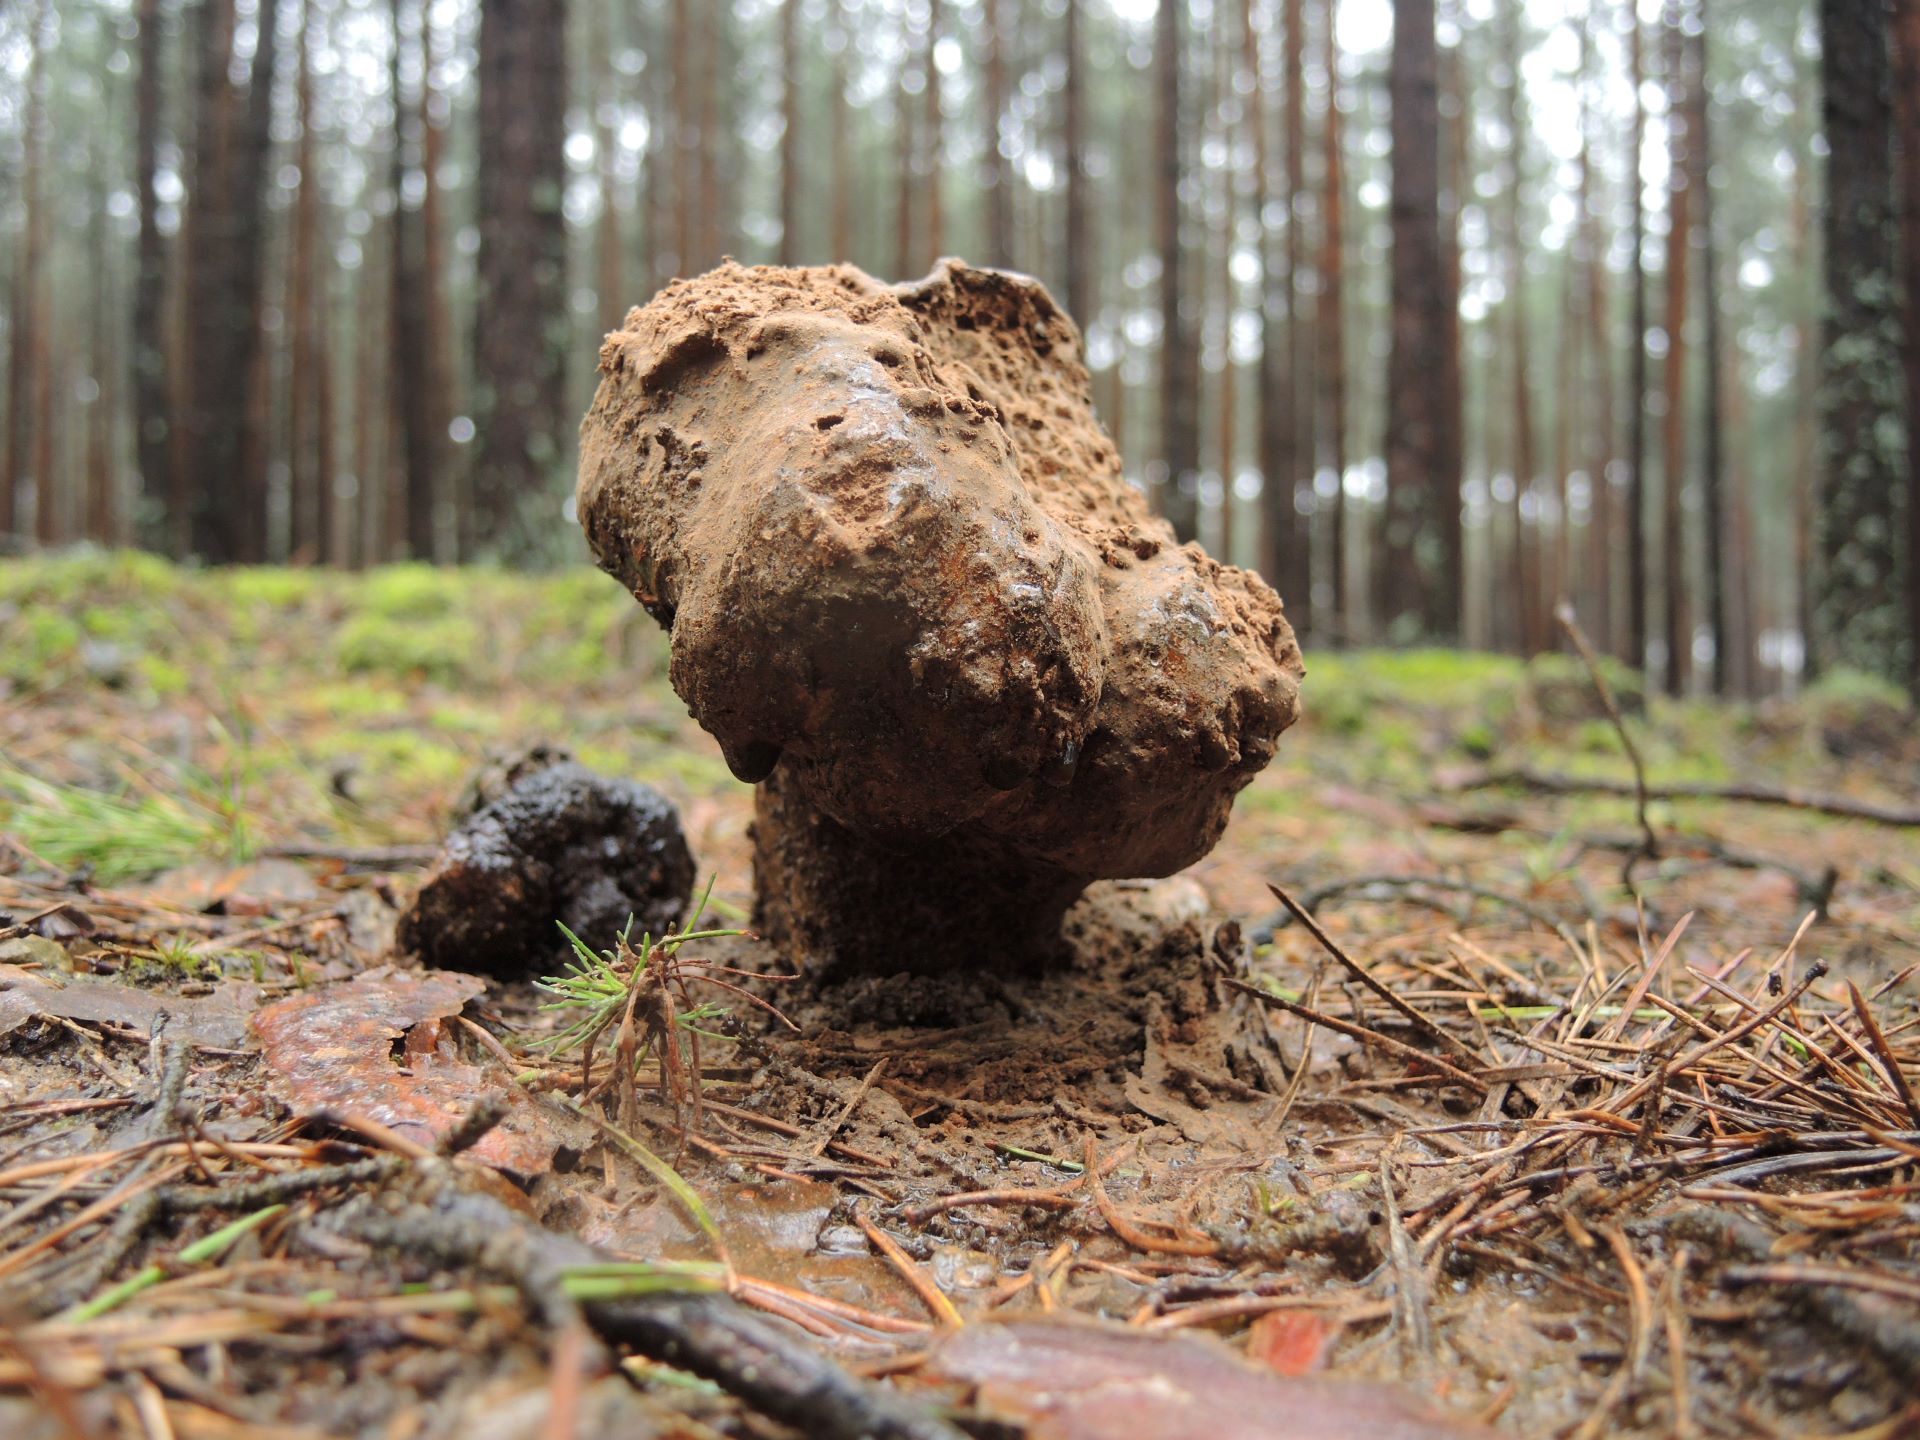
<point x="561" y="845"/>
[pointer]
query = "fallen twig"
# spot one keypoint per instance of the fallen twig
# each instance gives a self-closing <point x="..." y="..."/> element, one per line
<point x="1313" y="899"/>
<point x="709" y="1335"/>
<point x="1550" y="782"/>
<point x="1359" y="972"/>
<point x="1649" y="842"/>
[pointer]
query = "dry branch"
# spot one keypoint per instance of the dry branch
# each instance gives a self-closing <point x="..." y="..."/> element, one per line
<point x="1549" y="782"/>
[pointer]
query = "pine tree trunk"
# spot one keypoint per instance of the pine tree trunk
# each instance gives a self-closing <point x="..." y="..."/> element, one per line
<point x="905" y="250"/>
<point x="436" y="364"/>
<point x="995" y="177"/>
<point x="1523" y="579"/>
<point x="1861" y="614"/>
<point x="417" y="452"/>
<point x="842" y="145"/>
<point x="152" y="417"/>
<point x="1713" y="479"/>
<point x="1456" y="144"/>
<point x="226" y="453"/>
<point x="1297" y="385"/>
<point x="1331" y="327"/>
<point x="1422" y="497"/>
<point x="308" y="488"/>
<point x="1806" y="384"/>
<point x="1179" y="358"/>
<point x="711" y="202"/>
<point x="685" y="179"/>
<point x="1599" y="355"/>
<point x="26" y="447"/>
<point x="1225" y="72"/>
<point x="99" y="513"/>
<point x="932" y="141"/>
<point x="520" y="336"/>
<point x="1906" y="89"/>
<point x="610" y="254"/>
<point x="790" y="250"/>
<point x="1280" y="522"/>
<point x="1636" y="652"/>
<point x="1079" y="262"/>
<point x="1673" y="466"/>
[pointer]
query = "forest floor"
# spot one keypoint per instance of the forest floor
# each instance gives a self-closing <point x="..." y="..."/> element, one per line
<point x="1539" y="1132"/>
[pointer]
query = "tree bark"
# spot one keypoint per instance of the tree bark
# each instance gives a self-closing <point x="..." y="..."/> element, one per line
<point x="842" y="151"/>
<point x="519" y="338"/>
<point x="1296" y="388"/>
<point x="418" y="470"/>
<point x="1422" y="495"/>
<point x="310" y="487"/>
<point x="1281" y="524"/>
<point x="905" y="250"/>
<point x="27" y="448"/>
<point x="99" y="517"/>
<point x="152" y="417"/>
<point x="610" y="252"/>
<point x="932" y="141"/>
<point x="1179" y="358"/>
<point x="1636" y="654"/>
<point x="225" y="480"/>
<point x="1331" y="327"/>
<point x="1599" y="352"/>
<point x="1861" y="614"/>
<point x="1907" y="90"/>
<point x="995" y="175"/>
<point x="1673" y="465"/>
<point x="1806" y="385"/>
<point x="436" y="364"/>
<point x="790" y="250"/>
<point x="1713" y="458"/>
<point x="1079" y="263"/>
<point x="1225" y="75"/>
<point x="1524" y="577"/>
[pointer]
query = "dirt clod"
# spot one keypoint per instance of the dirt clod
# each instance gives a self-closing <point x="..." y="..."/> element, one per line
<point x="913" y="597"/>
<point x="559" y="844"/>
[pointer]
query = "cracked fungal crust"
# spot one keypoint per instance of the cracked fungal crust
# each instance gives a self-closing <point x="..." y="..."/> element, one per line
<point x="899" y="560"/>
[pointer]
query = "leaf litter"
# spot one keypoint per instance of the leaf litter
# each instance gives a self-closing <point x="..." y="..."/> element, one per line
<point x="1583" y="1158"/>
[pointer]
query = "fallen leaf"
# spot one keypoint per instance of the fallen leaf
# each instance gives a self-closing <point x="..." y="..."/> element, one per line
<point x="218" y="1020"/>
<point x="1070" y="1380"/>
<point x="1290" y="1342"/>
<point x="331" y="1050"/>
<point x="264" y="887"/>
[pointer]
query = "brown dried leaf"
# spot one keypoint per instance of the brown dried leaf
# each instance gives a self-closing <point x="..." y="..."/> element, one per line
<point x="218" y="1020"/>
<point x="332" y="1050"/>
<point x="1066" y="1380"/>
<point x="1290" y="1342"/>
<point x="263" y="887"/>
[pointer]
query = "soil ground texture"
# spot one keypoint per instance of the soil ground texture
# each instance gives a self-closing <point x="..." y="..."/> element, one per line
<point x="1554" y="1136"/>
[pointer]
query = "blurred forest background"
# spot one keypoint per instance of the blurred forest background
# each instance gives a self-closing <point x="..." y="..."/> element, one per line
<point x="1436" y="312"/>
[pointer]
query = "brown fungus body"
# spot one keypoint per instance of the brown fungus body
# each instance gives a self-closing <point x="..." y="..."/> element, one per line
<point x="915" y="600"/>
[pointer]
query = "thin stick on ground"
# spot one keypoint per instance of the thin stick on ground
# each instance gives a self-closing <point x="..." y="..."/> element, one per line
<point x="819" y="1147"/>
<point x="1359" y="972"/>
<point x="1650" y="842"/>
<point x="1845" y="807"/>
<point x="1883" y="1052"/>
<point x="1639" y="1342"/>
<point x="1361" y="1033"/>
<point x="923" y="1284"/>
<point x="1126" y="1229"/>
<point x="1320" y="894"/>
